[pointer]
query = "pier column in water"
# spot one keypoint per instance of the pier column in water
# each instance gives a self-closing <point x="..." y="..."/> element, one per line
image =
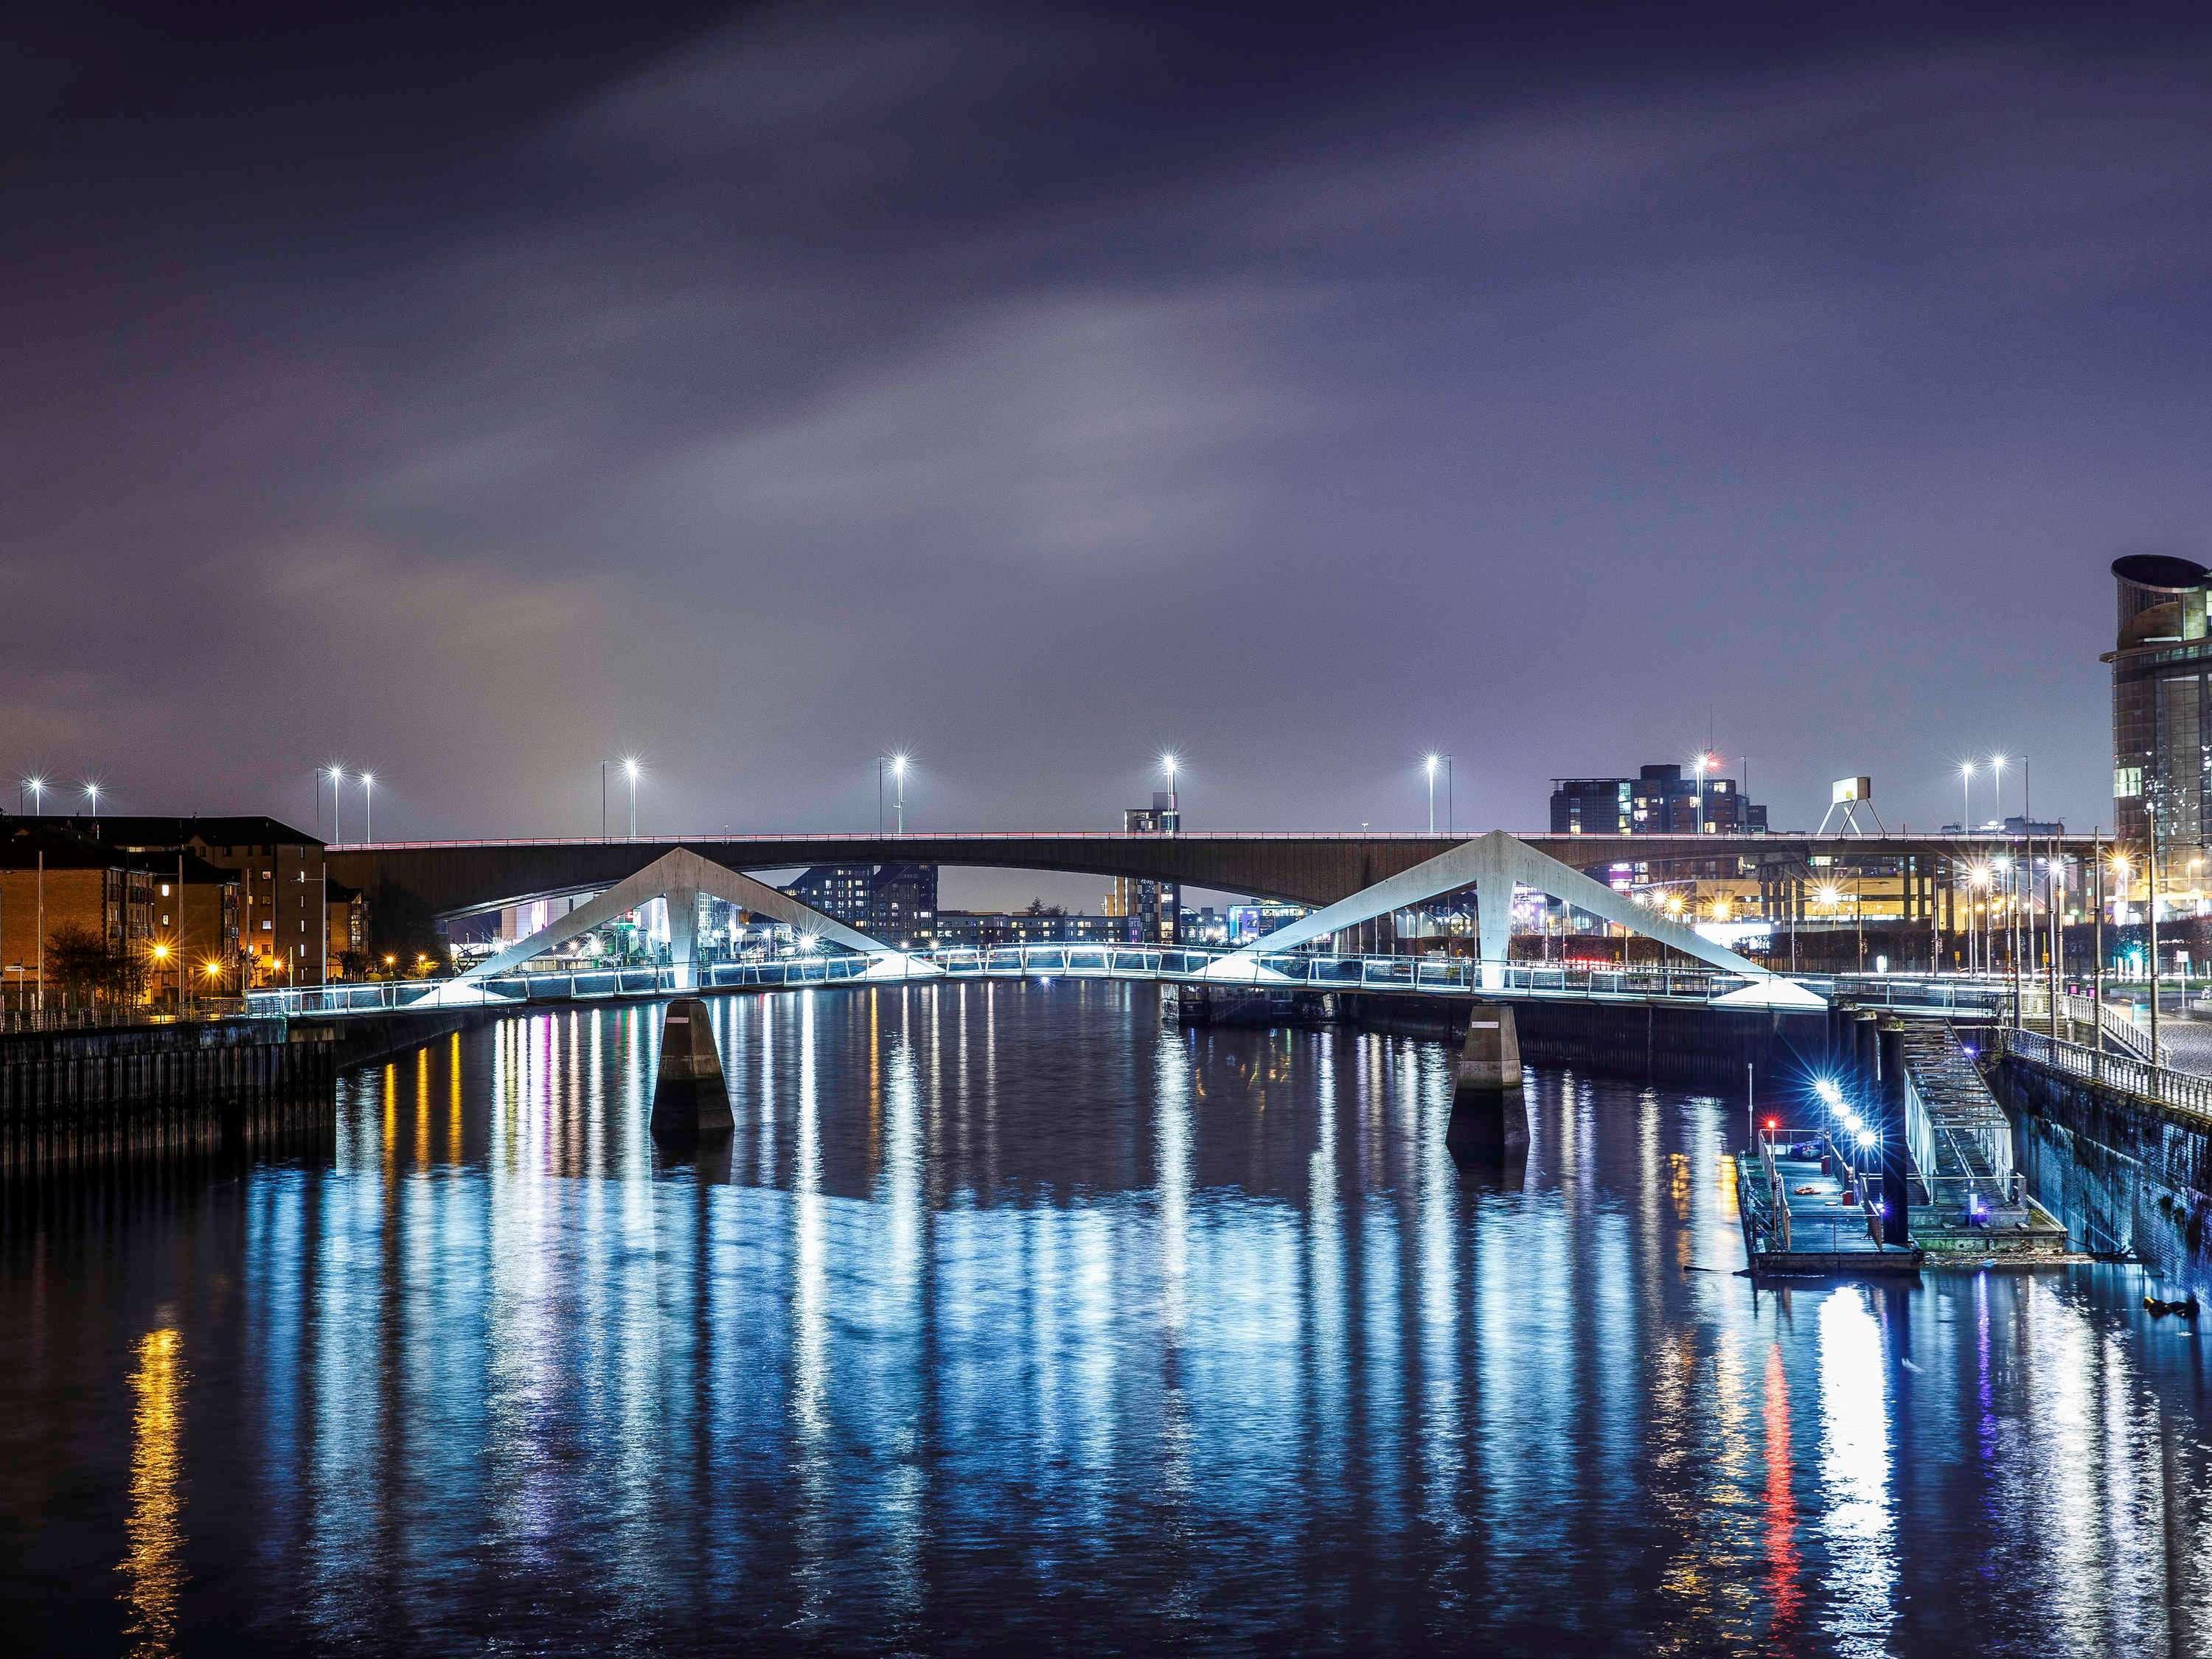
<point x="691" y="1101"/>
<point x="1488" y="1110"/>
<point x="1889" y="1123"/>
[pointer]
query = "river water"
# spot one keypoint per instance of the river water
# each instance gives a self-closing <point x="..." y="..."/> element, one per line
<point x="1010" y="1317"/>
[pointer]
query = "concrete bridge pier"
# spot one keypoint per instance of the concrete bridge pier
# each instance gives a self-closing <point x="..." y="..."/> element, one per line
<point x="1889" y="1123"/>
<point x="1489" y="1114"/>
<point x="690" y="1100"/>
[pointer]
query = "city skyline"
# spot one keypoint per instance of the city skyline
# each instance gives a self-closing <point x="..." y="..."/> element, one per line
<point x="664" y="395"/>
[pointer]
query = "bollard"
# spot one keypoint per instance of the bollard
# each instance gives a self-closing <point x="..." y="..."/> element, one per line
<point x="691" y="1101"/>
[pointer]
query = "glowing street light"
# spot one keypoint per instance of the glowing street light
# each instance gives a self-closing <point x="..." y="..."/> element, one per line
<point x="37" y="785"/>
<point x="630" y="770"/>
<point x="1703" y="764"/>
<point x="1966" y="790"/>
<point x="1429" y="765"/>
<point x="1169" y="766"/>
<point x="898" y="792"/>
<point x="92" y="797"/>
<point x="369" y="806"/>
<point x="337" y="775"/>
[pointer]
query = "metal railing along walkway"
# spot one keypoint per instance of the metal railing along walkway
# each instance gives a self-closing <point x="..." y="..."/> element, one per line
<point x="2185" y="1091"/>
<point x="1434" y="975"/>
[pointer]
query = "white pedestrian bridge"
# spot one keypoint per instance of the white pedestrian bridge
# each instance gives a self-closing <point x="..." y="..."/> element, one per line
<point x="1288" y="974"/>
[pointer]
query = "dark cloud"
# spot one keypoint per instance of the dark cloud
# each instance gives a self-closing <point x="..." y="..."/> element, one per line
<point x="1035" y="390"/>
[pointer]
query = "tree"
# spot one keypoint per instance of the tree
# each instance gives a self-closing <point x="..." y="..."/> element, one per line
<point x="83" y="962"/>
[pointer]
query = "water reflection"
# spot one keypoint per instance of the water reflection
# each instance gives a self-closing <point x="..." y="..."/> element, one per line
<point x="154" y="1567"/>
<point x="1011" y="1315"/>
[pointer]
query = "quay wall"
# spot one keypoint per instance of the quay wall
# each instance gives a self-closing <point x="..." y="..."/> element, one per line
<point x="79" y="1102"/>
<point x="2121" y="1170"/>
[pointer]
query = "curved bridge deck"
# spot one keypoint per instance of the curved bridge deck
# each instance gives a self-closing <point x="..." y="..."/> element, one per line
<point x="1964" y="999"/>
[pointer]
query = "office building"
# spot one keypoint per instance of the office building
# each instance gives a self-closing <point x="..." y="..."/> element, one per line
<point x="1663" y="799"/>
<point x="2161" y="664"/>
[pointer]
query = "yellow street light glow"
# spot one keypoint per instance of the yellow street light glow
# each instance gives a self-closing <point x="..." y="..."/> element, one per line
<point x="160" y="953"/>
<point x="211" y="969"/>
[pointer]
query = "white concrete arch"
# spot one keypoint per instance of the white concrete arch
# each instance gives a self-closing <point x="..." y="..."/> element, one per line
<point x="680" y="877"/>
<point x="1496" y="864"/>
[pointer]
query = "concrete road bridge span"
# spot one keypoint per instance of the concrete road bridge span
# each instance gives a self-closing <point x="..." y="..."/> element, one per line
<point x="451" y="878"/>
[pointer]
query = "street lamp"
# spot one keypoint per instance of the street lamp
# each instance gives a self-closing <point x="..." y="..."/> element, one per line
<point x="630" y="771"/>
<point x="92" y="800"/>
<point x="38" y="789"/>
<point x="1430" y="766"/>
<point x="369" y="806"/>
<point x="337" y="783"/>
<point x="1170" y="765"/>
<point x="898" y="791"/>
<point x="1698" y="766"/>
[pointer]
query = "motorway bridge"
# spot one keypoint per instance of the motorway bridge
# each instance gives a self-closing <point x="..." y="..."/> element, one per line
<point x="451" y="878"/>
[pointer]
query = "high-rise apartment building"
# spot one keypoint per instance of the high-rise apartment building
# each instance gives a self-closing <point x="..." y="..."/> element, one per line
<point x="1151" y="909"/>
<point x="896" y="903"/>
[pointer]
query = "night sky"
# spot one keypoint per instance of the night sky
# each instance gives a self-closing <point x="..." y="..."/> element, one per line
<point x="474" y="397"/>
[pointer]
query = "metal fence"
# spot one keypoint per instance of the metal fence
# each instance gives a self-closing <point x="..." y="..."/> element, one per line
<point x="14" y="1022"/>
<point x="2185" y="1091"/>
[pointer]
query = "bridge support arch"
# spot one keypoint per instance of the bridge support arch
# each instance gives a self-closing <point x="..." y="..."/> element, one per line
<point x="1494" y="865"/>
<point x="682" y="877"/>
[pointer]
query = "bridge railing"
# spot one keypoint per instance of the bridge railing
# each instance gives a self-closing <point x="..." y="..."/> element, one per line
<point x="1319" y="972"/>
<point x="2185" y="1091"/>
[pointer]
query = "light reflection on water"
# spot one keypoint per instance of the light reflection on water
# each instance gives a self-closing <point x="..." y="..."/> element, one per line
<point x="1008" y="1315"/>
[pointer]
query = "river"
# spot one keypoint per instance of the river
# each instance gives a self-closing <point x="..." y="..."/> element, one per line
<point x="1010" y="1317"/>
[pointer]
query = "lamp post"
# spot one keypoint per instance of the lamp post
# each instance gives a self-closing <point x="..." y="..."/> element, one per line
<point x="1698" y="766"/>
<point x="898" y="792"/>
<point x="1967" y="807"/>
<point x="369" y="806"/>
<point x="630" y="771"/>
<point x="338" y="801"/>
<point x="2150" y="805"/>
<point x="1430" y="766"/>
<point x="1170" y="766"/>
<point x="2096" y="964"/>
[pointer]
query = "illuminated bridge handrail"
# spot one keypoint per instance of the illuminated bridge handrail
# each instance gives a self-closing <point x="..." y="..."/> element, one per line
<point x="1298" y="971"/>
